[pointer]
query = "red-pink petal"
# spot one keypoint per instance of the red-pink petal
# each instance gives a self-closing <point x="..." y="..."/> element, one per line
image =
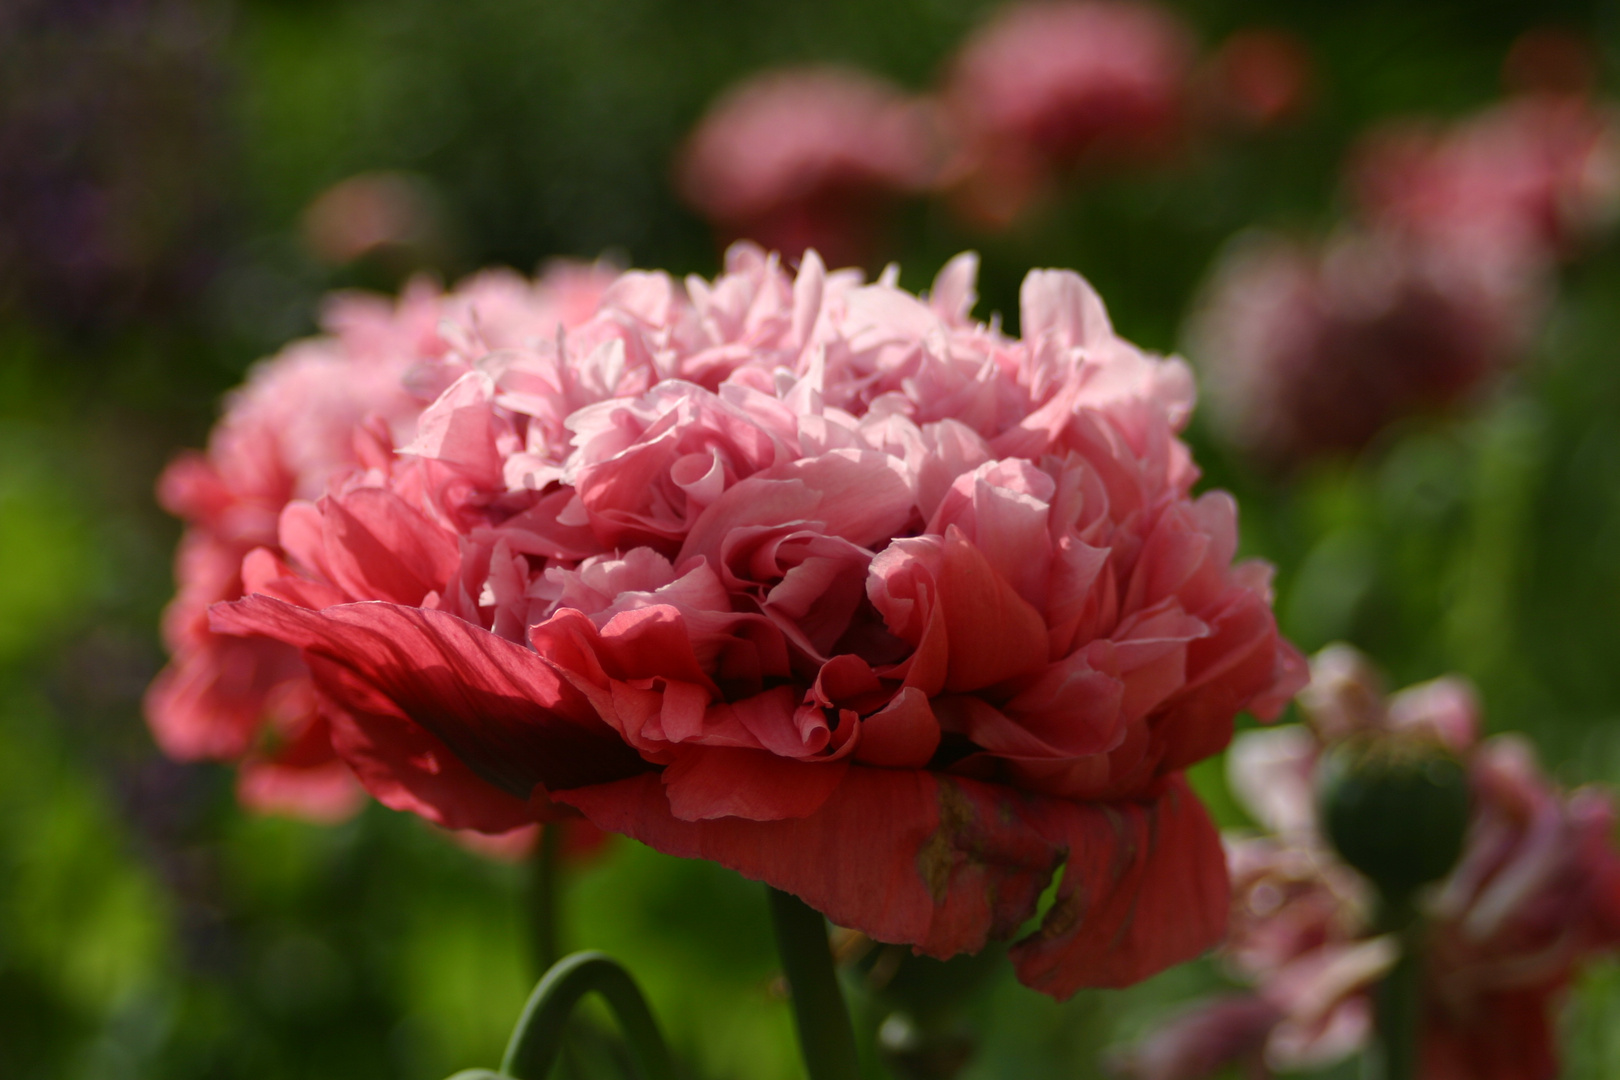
<point x="902" y="735"/>
<point x="904" y="856"/>
<point x="994" y="633"/>
<point x="1163" y="899"/>
<point x="721" y="782"/>
<point x="378" y="548"/>
<point x="413" y="685"/>
<point x="324" y="794"/>
<point x="460" y="429"/>
<point x="946" y="864"/>
<point x="209" y="702"/>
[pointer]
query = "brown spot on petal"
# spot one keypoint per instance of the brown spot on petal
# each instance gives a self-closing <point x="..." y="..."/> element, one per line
<point x="938" y="855"/>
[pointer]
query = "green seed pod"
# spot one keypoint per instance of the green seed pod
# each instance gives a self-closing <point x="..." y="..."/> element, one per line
<point x="1395" y="807"/>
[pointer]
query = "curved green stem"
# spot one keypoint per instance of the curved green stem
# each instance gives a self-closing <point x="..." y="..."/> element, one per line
<point x="538" y="1038"/>
<point x="826" y="1037"/>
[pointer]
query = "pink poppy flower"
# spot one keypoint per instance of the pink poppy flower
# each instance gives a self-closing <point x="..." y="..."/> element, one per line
<point x="807" y="158"/>
<point x="1046" y="85"/>
<point x="817" y="579"/>
<point x="1311" y="350"/>
<point x="304" y="418"/>
<point x="1536" y="893"/>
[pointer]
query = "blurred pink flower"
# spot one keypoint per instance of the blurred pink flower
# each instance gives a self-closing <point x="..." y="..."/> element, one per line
<point x="1202" y="1041"/>
<point x="305" y="417"/>
<point x="815" y="578"/>
<point x="1308" y="350"/>
<point x="1520" y="182"/>
<point x="1536" y="894"/>
<point x="1311" y="349"/>
<point x="1046" y="85"/>
<point x="372" y="212"/>
<point x="1258" y="78"/>
<point x="1552" y="60"/>
<point x="808" y="158"/>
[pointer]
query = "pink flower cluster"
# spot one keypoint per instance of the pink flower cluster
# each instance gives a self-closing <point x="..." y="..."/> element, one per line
<point x="1536" y="893"/>
<point x="806" y="157"/>
<point x="1311" y="348"/>
<point x="811" y="577"/>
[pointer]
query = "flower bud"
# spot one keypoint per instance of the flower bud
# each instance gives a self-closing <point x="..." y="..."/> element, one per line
<point x="1395" y="806"/>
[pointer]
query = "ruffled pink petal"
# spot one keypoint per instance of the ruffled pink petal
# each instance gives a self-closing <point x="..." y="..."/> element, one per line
<point x="994" y="633"/>
<point x="376" y="547"/>
<point x="1058" y="309"/>
<point x="902" y="735"/>
<point x="1071" y="707"/>
<point x="641" y="643"/>
<point x="460" y="429"/>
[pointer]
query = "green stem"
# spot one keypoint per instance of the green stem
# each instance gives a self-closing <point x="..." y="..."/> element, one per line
<point x="543" y="905"/>
<point x="826" y="1037"/>
<point x="539" y="1034"/>
<point x="1398" y="1002"/>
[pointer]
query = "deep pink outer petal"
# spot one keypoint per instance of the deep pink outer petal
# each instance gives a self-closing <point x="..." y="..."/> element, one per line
<point x="946" y="864"/>
<point x="1145" y="887"/>
<point x="902" y="855"/>
<point x="437" y="715"/>
<point x="708" y="782"/>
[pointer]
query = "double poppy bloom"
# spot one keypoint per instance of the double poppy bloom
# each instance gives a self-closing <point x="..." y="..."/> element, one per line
<point x="817" y="579"/>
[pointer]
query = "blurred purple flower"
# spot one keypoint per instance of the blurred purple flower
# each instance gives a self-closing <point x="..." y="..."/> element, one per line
<point x="1202" y="1041"/>
<point x="109" y="154"/>
<point x="1312" y="349"/>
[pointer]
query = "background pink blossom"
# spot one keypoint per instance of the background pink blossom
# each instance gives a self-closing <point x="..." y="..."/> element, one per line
<point x="808" y="157"/>
<point x="1535" y="897"/>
